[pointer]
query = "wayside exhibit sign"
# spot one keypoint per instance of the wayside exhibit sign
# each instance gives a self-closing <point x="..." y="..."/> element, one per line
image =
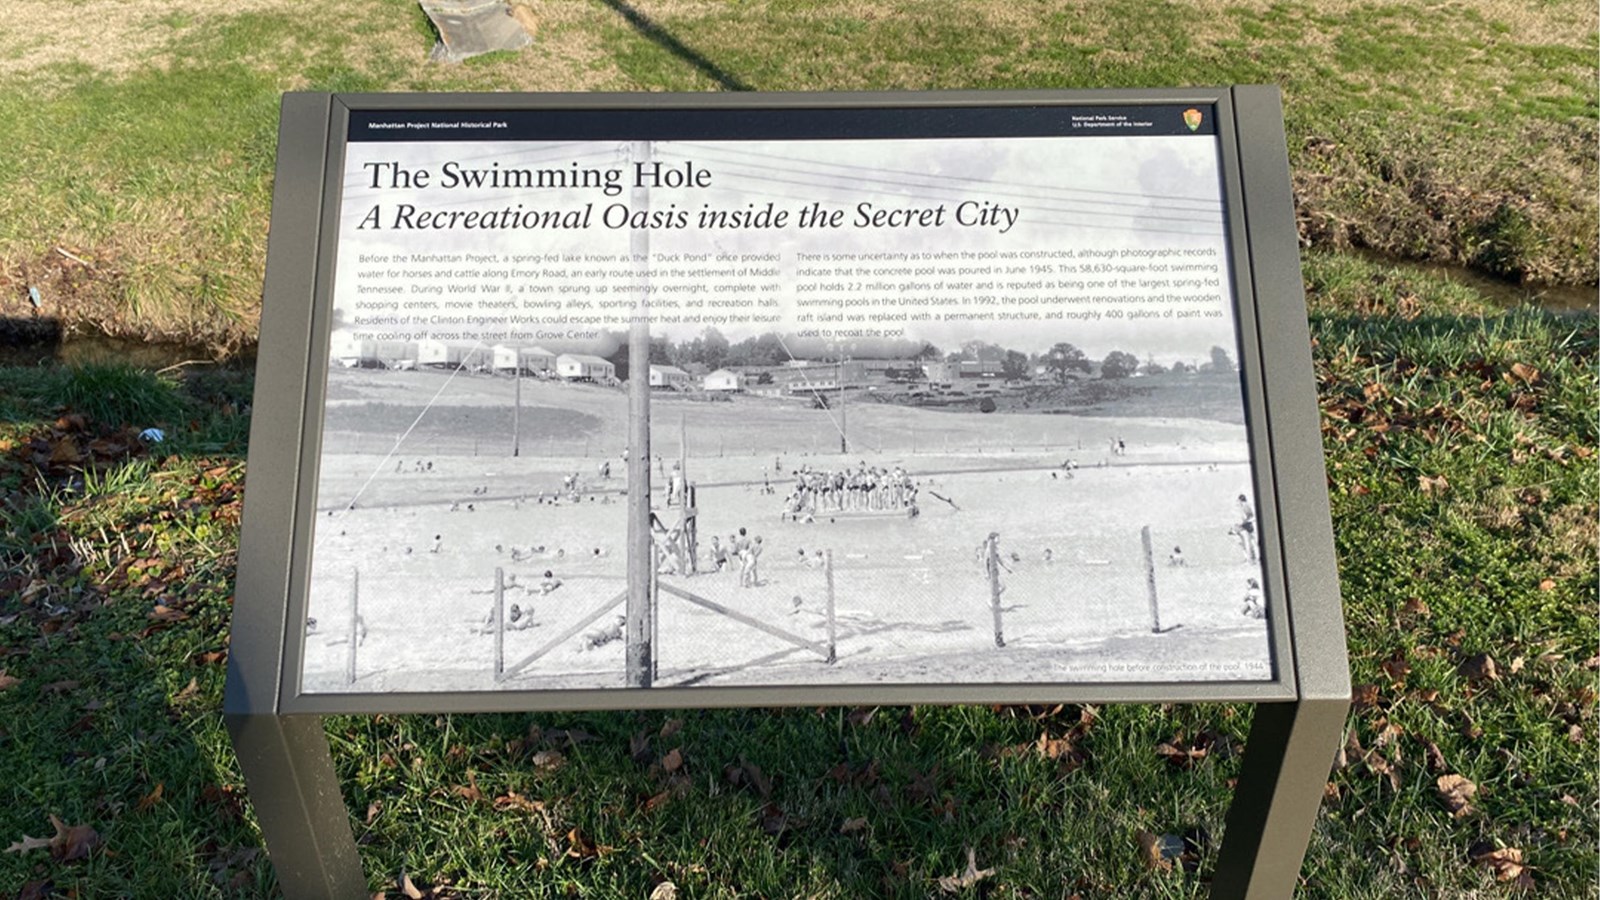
<point x="617" y="401"/>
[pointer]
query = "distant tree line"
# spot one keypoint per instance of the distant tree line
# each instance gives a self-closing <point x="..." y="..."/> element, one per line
<point x="711" y="349"/>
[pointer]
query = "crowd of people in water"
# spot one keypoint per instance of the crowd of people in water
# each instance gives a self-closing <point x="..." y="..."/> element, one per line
<point x="862" y="489"/>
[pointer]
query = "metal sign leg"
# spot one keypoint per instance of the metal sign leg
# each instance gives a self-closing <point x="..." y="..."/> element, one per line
<point x="289" y="774"/>
<point x="1286" y="765"/>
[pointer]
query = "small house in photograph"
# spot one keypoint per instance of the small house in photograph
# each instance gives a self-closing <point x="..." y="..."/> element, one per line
<point x="344" y="349"/>
<point x="505" y="358"/>
<point x="583" y="367"/>
<point x="724" y="380"/>
<point x="669" y="378"/>
<point x="432" y="353"/>
<point x="538" y="361"/>
<point x="473" y="357"/>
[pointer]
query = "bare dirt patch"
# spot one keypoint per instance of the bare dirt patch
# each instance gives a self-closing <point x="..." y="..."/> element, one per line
<point x="113" y="36"/>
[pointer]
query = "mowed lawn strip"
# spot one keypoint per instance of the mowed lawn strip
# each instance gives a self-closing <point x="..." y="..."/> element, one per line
<point x="1461" y="454"/>
<point x="144" y="146"/>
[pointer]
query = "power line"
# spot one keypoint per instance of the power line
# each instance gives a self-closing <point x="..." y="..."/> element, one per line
<point x="1032" y="187"/>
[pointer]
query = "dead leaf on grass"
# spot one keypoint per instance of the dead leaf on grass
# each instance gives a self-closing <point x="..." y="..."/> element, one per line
<point x="666" y="890"/>
<point x="579" y="846"/>
<point x="672" y="727"/>
<point x="1456" y="793"/>
<point x="954" y="884"/>
<point x="8" y="681"/>
<point x="1433" y="755"/>
<point x="547" y="760"/>
<point x="773" y="819"/>
<point x="851" y="826"/>
<point x="748" y="774"/>
<point x="1479" y="667"/>
<point x="69" y="843"/>
<point x="514" y="800"/>
<point x="1525" y="373"/>
<point x="1433" y="484"/>
<point x="1159" y="852"/>
<point x="409" y="889"/>
<point x="673" y="761"/>
<point x="468" y="791"/>
<point x="1506" y="862"/>
<point x="188" y="692"/>
<point x="1364" y="696"/>
<point x="151" y="799"/>
<point x="1396" y="667"/>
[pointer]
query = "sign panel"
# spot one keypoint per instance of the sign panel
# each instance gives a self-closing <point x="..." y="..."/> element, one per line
<point x="938" y="397"/>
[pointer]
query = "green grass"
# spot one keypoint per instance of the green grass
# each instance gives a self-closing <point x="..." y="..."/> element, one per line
<point x="1418" y="379"/>
<point x="1450" y="133"/>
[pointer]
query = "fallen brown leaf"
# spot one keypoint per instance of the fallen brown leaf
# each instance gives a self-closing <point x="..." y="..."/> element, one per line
<point x="1396" y="667"/>
<point x="1456" y="793"/>
<point x="69" y="843"/>
<point x="1433" y="484"/>
<point x="547" y="759"/>
<point x="1364" y="696"/>
<point x="773" y="819"/>
<point x="188" y="692"/>
<point x="1433" y="755"/>
<point x="1180" y="754"/>
<point x="7" y="681"/>
<point x="151" y="799"/>
<point x="666" y="890"/>
<point x="673" y="761"/>
<point x="1416" y="607"/>
<point x="1479" y="667"/>
<point x="409" y="889"/>
<point x="1505" y="862"/>
<point x="514" y="800"/>
<point x="579" y="845"/>
<point x="1528" y="374"/>
<point x="468" y="791"/>
<point x="851" y="826"/>
<point x="672" y="727"/>
<point x="861" y="715"/>
<point x="1159" y="852"/>
<point x="954" y="884"/>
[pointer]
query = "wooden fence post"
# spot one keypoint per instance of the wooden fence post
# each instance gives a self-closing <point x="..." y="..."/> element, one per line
<point x="1150" y="579"/>
<point x="995" y="590"/>
<point x="827" y="568"/>
<point x="355" y="625"/>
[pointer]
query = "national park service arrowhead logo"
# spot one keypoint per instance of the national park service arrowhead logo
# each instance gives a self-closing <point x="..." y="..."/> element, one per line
<point x="1192" y="118"/>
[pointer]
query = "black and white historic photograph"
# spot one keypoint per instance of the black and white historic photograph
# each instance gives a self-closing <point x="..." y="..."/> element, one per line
<point x="920" y="412"/>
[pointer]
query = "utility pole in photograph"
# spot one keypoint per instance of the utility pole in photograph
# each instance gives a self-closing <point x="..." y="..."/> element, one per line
<point x="640" y="626"/>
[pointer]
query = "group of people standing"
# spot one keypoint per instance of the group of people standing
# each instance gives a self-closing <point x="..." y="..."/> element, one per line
<point x="742" y="550"/>
<point x="863" y="489"/>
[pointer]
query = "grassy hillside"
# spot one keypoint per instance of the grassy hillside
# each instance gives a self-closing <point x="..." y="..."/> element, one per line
<point x="140" y="139"/>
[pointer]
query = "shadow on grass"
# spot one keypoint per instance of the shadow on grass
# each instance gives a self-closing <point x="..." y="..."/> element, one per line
<point x="117" y="554"/>
<point x="651" y="30"/>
